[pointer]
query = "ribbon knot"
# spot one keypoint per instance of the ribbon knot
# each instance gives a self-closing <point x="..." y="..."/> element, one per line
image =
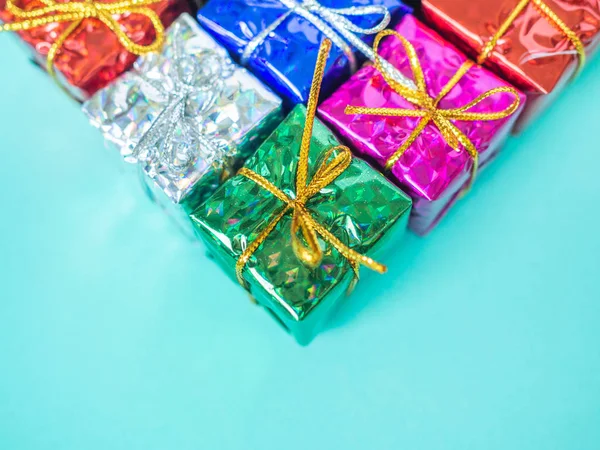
<point x="335" y="161"/>
<point x="190" y="77"/>
<point x="74" y="13"/>
<point x="335" y="24"/>
<point x="429" y="109"/>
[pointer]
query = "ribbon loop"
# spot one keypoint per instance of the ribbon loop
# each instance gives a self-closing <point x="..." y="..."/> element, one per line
<point x="341" y="14"/>
<point x="418" y="91"/>
<point x="429" y="107"/>
<point x="335" y="161"/>
<point x="75" y="13"/>
<point x="186" y="80"/>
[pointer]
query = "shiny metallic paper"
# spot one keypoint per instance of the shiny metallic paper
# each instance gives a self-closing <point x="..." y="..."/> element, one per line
<point x="188" y="115"/>
<point x="430" y="171"/>
<point x="194" y="5"/>
<point x="92" y="56"/>
<point x="290" y="32"/>
<point x="361" y="208"/>
<point x="533" y="54"/>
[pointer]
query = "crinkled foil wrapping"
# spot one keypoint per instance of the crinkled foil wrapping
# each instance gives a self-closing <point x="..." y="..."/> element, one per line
<point x="431" y="171"/>
<point x="361" y="208"/>
<point x="285" y="61"/>
<point x="533" y="54"/>
<point x="92" y="56"/>
<point x="226" y="113"/>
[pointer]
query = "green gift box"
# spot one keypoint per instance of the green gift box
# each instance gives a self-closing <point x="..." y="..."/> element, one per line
<point x="360" y="207"/>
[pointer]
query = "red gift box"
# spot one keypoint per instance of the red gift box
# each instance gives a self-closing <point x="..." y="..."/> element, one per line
<point x="92" y="54"/>
<point x="536" y="45"/>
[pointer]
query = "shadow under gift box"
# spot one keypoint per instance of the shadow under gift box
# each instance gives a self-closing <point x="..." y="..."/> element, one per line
<point x="533" y="54"/>
<point x="430" y="170"/>
<point x="286" y="58"/>
<point x="361" y="208"/>
<point x="92" y="56"/>
<point x="222" y="104"/>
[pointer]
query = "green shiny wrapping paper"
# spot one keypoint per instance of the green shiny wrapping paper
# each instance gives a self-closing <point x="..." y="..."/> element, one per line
<point x="361" y="208"/>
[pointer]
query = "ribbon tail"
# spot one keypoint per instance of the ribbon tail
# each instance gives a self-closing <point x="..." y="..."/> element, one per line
<point x="345" y="251"/>
<point x="311" y="111"/>
<point x="489" y="47"/>
<point x="310" y="255"/>
<point x="406" y="145"/>
<point x="473" y="154"/>
<point x="169" y="116"/>
<point x="256" y="243"/>
<point x="571" y="35"/>
<point x="472" y="178"/>
<point x="53" y="52"/>
<point x="449" y="132"/>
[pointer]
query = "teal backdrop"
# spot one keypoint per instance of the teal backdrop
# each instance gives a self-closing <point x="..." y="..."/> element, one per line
<point x="118" y="333"/>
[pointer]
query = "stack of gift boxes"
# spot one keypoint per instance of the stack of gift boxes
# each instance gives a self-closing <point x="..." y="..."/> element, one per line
<point x="300" y="138"/>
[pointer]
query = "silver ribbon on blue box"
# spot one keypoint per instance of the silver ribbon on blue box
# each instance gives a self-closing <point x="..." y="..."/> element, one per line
<point x="334" y="23"/>
<point x="279" y="39"/>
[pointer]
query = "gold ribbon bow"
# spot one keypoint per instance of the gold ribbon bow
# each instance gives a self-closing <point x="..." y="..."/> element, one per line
<point x="429" y="107"/>
<point x="550" y="16"/>
<point x="302" y="220"/>
<point x="76" y="12"/>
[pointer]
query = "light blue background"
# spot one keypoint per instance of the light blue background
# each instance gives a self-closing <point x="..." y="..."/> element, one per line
<point x="117" y="333"/>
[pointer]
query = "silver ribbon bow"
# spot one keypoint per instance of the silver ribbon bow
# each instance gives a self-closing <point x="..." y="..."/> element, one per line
<point x="334" y="24"/>
<point x="192" y="87"/>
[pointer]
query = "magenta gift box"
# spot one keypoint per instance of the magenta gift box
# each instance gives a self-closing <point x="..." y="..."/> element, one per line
<point x="430" y="170"/>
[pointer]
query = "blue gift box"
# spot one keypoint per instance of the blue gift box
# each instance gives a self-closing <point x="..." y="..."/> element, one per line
<point x="286" y="57"/>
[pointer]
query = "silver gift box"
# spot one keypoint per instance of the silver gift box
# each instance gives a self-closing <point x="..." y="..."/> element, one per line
<point x="188" y="115"/>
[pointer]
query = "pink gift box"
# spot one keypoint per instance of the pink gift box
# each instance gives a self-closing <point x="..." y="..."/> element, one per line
<point x="430" y="171"/>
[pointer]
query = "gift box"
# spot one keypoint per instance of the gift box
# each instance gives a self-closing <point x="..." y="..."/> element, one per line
<point x="188" y="115"/>
<point x="359" y="208"/>
<point x="279" y="39"/>
<point x="194" y="5"/>
<point x="432" y="140"/>
<point x="535" y="45"/>
<point x="75" y="41"/>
